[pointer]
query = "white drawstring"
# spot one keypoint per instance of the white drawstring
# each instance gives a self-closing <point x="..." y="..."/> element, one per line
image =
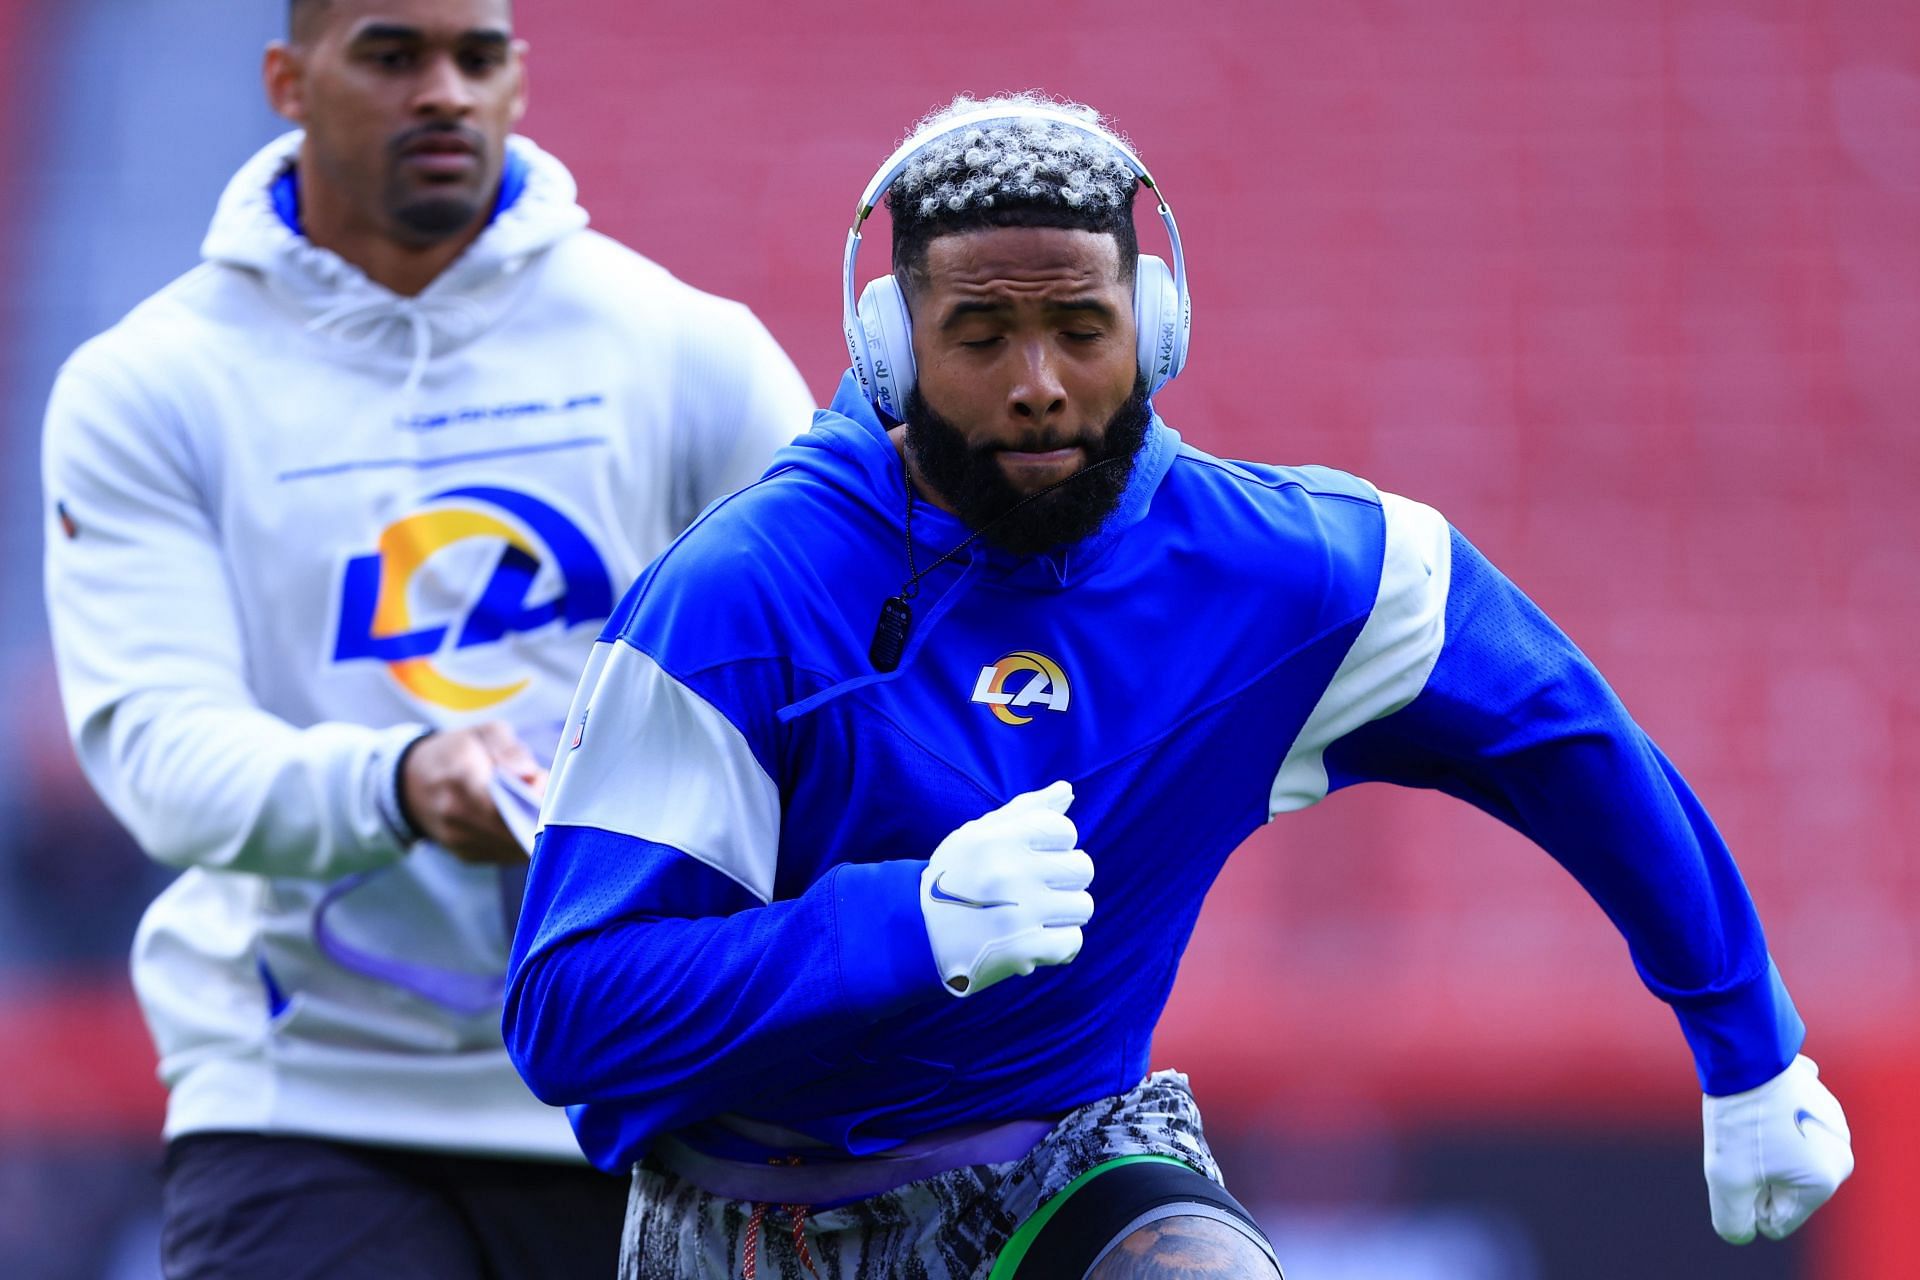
<point x="362" y="322"/>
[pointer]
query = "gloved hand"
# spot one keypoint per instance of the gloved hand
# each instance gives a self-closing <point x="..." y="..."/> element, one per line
<point x="1775" y="1153"/>
<point x="1006" y="893"/>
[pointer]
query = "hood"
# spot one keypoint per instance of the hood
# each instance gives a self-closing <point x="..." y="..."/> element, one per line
<point x="250" y="232"/>
<point x="849" y="445"/>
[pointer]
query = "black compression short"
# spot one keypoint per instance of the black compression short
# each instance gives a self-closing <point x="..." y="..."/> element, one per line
<point x="1118" y="1201"/>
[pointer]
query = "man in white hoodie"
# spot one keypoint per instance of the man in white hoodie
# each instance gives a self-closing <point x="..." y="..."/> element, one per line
<point x="333" y="522"/>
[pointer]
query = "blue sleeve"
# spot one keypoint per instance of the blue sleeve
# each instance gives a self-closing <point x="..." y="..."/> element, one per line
<point x="657" y="978"/>
<point x="1514" y="719"/>
<point x="643" y="977"/>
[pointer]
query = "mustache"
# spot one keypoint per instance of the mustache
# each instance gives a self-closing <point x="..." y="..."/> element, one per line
<point x="1040" y="442"/>
<point x="401" y="142"/>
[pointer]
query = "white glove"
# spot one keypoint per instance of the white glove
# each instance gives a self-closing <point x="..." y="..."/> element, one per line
<point x="1006" y="893"/>
<point x="1775" y="1153"/>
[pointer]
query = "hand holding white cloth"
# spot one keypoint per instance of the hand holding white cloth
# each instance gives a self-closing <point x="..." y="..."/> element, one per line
<point x="519" y="803"/>
<point x="1774" y="1153"/>
<point x="1006" y="893"/>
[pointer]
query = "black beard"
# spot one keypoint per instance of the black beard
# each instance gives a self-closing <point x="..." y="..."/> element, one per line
<point x="435" y="218"/>
<point x="970" y="480"/>
<point x="426" y="213"/>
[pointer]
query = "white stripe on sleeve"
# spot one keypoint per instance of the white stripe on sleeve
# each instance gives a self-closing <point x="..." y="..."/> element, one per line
<point x="1391" y="658"/>
<point x="643" y="755"/>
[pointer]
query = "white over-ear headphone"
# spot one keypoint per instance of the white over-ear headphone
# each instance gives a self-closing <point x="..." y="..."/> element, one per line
<point x="880" y="334"/>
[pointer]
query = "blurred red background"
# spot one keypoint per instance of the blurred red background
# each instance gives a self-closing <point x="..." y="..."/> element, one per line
<point x="1630" y="290"/>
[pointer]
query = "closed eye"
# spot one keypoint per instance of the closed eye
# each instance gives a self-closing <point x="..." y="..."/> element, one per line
<point x="483" y="55"/>
<point x="393" y="59"/>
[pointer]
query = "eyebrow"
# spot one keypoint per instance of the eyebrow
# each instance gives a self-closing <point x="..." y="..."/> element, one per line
<point x="375" y="32"/>
<point x="961" y="310"/>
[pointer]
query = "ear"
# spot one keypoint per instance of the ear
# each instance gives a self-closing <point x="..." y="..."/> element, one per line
<point x="520" y="48"/>
<point x="283" y="74"/>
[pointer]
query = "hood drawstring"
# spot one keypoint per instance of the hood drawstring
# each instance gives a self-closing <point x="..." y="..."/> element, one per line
<point x="796" y="1213"/>
<point x="362" y="322"/>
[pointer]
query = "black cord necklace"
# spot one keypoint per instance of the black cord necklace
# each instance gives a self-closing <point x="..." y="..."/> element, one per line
<point x="896" y="613"/>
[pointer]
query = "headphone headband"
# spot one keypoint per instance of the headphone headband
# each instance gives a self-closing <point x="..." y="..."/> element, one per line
<point x="883" y="179"/>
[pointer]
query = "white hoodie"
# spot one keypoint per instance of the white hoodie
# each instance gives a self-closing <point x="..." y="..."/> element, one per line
<point x="294" y="520"/>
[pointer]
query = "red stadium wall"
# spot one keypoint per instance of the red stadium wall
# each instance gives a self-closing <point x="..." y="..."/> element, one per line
<point x="1630" y="290"/>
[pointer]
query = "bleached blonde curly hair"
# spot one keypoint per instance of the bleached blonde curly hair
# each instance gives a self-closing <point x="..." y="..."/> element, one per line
<point x="1031" y="172"/>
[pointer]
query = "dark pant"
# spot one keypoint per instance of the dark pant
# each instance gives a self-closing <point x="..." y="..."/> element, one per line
<point x="246" y="1206"/>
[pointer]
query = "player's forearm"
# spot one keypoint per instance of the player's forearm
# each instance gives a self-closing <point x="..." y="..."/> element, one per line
<point x="1568" y="767"/>
<point x="1696" y="936"/>
<point x="152" y="659"/>
<point x="1618" y="816"/>
<point x="201" y="783"/>
<point x="694" y="1014"/>
<point x="1514" y="719"/>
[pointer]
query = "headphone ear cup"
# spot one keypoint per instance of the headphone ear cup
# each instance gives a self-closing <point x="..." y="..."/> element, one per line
<point x="887" y="334"/>
<point x="1160" y="329"/>
<point x="856" y="334"/>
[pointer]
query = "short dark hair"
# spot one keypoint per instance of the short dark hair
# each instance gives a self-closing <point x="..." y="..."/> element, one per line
<point x="301" y="15"/>
<point x="1012" y="173"/>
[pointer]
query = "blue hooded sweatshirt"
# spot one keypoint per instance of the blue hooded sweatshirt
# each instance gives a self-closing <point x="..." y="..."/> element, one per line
<point x="722" y="920"/>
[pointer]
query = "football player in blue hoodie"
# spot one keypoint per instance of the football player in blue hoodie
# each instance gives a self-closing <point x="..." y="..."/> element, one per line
<point x="814" y="943"/>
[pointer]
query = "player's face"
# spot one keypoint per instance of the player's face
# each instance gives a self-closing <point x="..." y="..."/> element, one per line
<point x="1023" y="341"/>
<point x="407" y="105"/>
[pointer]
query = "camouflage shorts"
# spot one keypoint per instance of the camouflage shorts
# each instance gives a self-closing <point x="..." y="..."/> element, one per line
<point x="947" y="1227"/>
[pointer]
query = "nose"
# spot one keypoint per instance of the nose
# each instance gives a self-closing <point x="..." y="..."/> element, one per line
<point x="443" y="90"/>
<point x="1037" y="393"/>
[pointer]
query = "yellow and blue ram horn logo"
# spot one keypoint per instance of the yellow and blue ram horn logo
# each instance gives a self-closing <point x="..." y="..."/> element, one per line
<point x="1046" y="686"/>
<point x="378" y="591"/>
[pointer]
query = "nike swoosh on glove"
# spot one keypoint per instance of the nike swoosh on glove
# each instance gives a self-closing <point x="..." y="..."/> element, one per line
<point x="1006" y="893"/>
<point x="1775" y="1153"/>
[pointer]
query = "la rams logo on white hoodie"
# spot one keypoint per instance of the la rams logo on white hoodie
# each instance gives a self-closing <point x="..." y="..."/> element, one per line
<point x="544" y="571"/>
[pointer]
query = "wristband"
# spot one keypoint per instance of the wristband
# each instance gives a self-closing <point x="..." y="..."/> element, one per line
<point x="398" y="816"/>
